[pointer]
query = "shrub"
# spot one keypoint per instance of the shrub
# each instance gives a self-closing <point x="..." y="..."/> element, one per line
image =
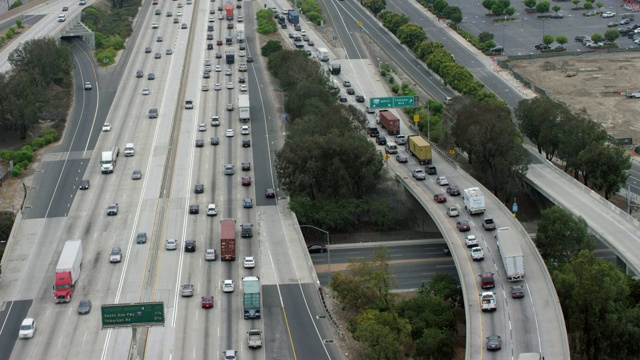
<point x="15" y="4"/>
<point x="395" y="88"/>
<point x="106" y="56"/>
<point x="383" y="73"/>
<point x="38" y="143"/>
<point x="391" y="79"/>
<point x="17" y="170"/>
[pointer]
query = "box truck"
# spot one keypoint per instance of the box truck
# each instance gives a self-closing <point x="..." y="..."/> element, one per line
<point x="67" y="271"/>
<point x="420" y="148"/>
<point x="243" y="108"/>
<point x="474" y="201"/>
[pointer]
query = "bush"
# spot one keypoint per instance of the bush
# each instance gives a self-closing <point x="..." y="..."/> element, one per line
<point x="38" y="143"/>
<point x="19" y="23"/>
<point x="106" y="56"/>
<point x="114" y="42"/>
<point x="395" y="88"/>
<point x="271" y="47"/>
<point x="15" y="4"/>
<point x="383" y="73"/>
<point x="50" y="137"/>
<point x="9" y="33"/>
<point x="391" y="79"/>
<point x="266" y="23"/>
<point x="17" y="170"/>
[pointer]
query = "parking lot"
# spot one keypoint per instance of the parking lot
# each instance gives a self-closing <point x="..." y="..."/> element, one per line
<point x="519" y="36"/>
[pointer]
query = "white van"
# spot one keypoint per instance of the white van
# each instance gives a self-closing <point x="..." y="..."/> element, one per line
<point x="391" y="148"/>
<point x="129" y="149"/>
<point x="62" y="18"/>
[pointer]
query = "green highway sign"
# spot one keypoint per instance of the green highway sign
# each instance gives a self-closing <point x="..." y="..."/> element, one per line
<point x="139" y="314"/>
<point x="390" y="102"/>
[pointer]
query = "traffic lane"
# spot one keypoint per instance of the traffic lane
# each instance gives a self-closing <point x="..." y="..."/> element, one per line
<point x="277" y="340"/>
<point x="396" y="253"/>
<point x="409" y="274"/>
<point x="343" y="18"/>
<point x="11" y="317"/>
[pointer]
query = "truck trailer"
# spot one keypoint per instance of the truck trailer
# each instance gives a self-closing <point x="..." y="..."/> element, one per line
<point x="240" y="33"/>
<point x="251" y="297"/>
<point x="473" y="199"/>
<point x="67" y="271"/>
<point x="243" y="108"/>
<point x="109" y="159"/>
<point x="293" y="17"/>
<point x="230" y="56"/>
<point x="229" y="9"/>
<point x="420" y="148"/>
<point x="510" y="253"/>
<point x="227" y="240"/>
<point x="389" y="121"/>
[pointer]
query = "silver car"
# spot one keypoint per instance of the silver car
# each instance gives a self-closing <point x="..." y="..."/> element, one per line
<point x="229" y="169"/>
<point x="116" y="255"/>
<point x="171" y="244"/>
<point x="186" y="290"/>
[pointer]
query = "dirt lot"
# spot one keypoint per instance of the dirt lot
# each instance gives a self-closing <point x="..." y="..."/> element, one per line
<point x="595" y="87"/>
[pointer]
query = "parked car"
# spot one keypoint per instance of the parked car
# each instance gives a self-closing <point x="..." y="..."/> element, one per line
<point x="317" y="248"/>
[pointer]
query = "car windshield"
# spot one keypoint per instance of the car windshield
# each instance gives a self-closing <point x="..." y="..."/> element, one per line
<point x="25" y="327"/>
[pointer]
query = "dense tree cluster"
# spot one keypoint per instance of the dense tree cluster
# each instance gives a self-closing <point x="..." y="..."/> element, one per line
<point x="25" y="91"/>
<point x="421" y="327"/>
<point x="266" y="23"/>
<point x="577" y="140"/>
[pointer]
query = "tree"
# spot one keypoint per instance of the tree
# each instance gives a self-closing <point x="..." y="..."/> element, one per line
<point x="271" y="47"/>
<point x="530" y="4"/>
<point x="426" y="311"/>
<point x="538" y="118"/>
<point x="485" y="36"/>
<point x="612" y="35"/>
<point x="577" y="131"/>
<point x="393" y="21"/>
<point x="411" y="35"/>
<point x="556" y="8"/>
<point x="600" y="5"/>
<point x="375" y="6"/>
<point x="488" y="4"/>
<point x="588" y="5"/>
<point x="543" y="7"/>
<point x="560" y="236"/>
<point x="575" y="2"/>
<point x="548" y="39"/>
<point x="611" y="172"/>
<point x="597" y="37"/>
<point x="366" y="284"/>
<point x="444" y="286"/>
<point x="435" y="344"/>
<point x="561" y="39"/>
<point x="385" y="335"/>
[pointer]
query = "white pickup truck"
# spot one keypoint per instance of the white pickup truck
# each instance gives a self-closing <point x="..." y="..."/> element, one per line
<point x="488" y="301"/>
<point x="254" y="338"/>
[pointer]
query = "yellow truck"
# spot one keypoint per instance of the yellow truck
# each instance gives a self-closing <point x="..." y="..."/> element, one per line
<point x="420" y="148"/>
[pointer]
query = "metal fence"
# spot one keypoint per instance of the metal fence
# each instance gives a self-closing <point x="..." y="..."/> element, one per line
<point x="312" y="236"/>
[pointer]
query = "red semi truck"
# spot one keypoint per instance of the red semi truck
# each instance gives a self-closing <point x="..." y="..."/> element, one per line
<point x="67" y="271"/>
<point x="389" y="121"/>
<point x="229" y="8"/>
<point x="227" y="240"/>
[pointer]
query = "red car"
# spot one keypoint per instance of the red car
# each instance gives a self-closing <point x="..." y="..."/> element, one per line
<point x="269" y="193"/>
<point x="246" y="180"/>
<point x="219" y="42"/>
<point x="207" y="302"/>
<point x="199" y="143"/>
<point x="463" y="225"/>
<point x="440" y="198"/>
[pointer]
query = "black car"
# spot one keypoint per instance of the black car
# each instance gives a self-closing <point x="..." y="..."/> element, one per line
<point x="497" y="49"/>
<point x="317" y="248"/>
<point x="242" y="47"/>
<point x="542" y="47"/>
<point x="147" y="50"/>
<point x="194" y="209"/>
<point x="431" y="170"/>
<point x="151" y="76"/>
<point x="139" y="74"/>
<point x="360" y="98"/>
<point x="342" y="98"/>
<point x="190" y="246"/>
<point x="198" y="189"/>
<point x="373" y="131"/>
<point x="84" y="306"/>
<point x="210" y="47"/>
<point x="625" y="30"/>
<point x="249" y="59"/>
<point x="246" y="143"/>
<point x="246" y="166"/>
<point x="381" y="140"/>
<point x="215" y="140"/>
<point x="453" y="190"/>
<point x="241" y="79"/>
<point x="84" y="185"/>
<point x="351" y="91"/>
<point x="494" y="342"/>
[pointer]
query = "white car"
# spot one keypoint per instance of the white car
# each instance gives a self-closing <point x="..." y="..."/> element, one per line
<point x="471" y="241"/>
<point x="441" y="180"/>
<point x="146" y="91"/>
<point x="211" y="210"/>
<point x="202" y="127"/>
<point x="87" y="86"/>
<point x="227" y="72"/>
<point x="419" y="174"/>
<point x="453" y="211"/>
<point x="229" y="85"/>
<point x="210" y="255"/>
<point x="229" y="133"/>
<point x="218" y="68"/>
<point x="284" y="11"/>
<point x="242" y="53"/>
<point x="215" y="121"/>
<point x="27" y="328"/>
<point x="249" y="262"/>
<point x="217" y="87"/>
<point x="303" y="32"/>
<point x="211" y="19"/>
<point x="228" y="286"/>
<point x="245" y="130"/>
<point x="608" y="14"/>
<point x="154" y="25"/>
<point x="171" y="244"/>
<point x="243" y="88"/>
<point x="477" y="253"/>
<point x="106" y="127"/>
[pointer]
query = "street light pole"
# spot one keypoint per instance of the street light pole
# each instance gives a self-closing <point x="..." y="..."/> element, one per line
<point x="504" y="26"/>
<point x="328" y="251"/>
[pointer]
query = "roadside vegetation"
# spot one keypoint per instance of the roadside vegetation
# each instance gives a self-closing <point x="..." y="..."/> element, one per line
<point x="266" y="23"/>
<point x="388" y="327"/>
<point x="311" y="9"/>
<point x="110" y="23"/>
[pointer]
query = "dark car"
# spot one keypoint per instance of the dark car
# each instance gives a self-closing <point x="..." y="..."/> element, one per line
<point x="625" y="21"/>
<point x="207" y="302"/>
<point x="242" y="79"/>
<point x="246" y="143"/>
<point x="453" y="190"/>
<point x="199" y="143"/>
<point x="141" y="238"/>
<point x="494" y="342"/>
<point x="151" y="76"/>
<point x="431" y="170"/>
<point x="381" y="140"/>
<point x="342" y="98"/>
<point x="139" y="74"/>
<point x="210" y="47"/>
<point x="360" y="98"/>
<point x="612" y="24"/>
<point x="147" y="50"/>
<point x="317" y="248"/>
<point x="246" y="180"/>
<point x="542" y="47"/>
<point x="84" y="185"/>
<point x="517" y="292"/>
<point x="488" y="224"/>
<point x="440" y="198"/>
<point x="401" y="158"/>
<point x="194" y="209"/>
<point x="351" y="91"/>
<point x="463" y="225"/>
<point x="247" y="203"/>
<point x="374" y="132"/>
<point x="581" y="38"/>
<point x="84" y="306"/>
<point x="190" y="246"/>
<point x="245" y="165"/>
<point x="270" y="193"/>
<point x="215" y="140"/>
<point x="624" y="31"/>
<point x="497" y="49"/>
<point x="198" y="189"/>
<point x="249" y="59"/>
<point x="136" y="175"/>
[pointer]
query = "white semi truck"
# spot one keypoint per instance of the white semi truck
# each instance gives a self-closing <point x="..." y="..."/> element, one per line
<point x="240" y="33"/>
<point x="510" y="253"/>
<point x="109" y="159"/>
